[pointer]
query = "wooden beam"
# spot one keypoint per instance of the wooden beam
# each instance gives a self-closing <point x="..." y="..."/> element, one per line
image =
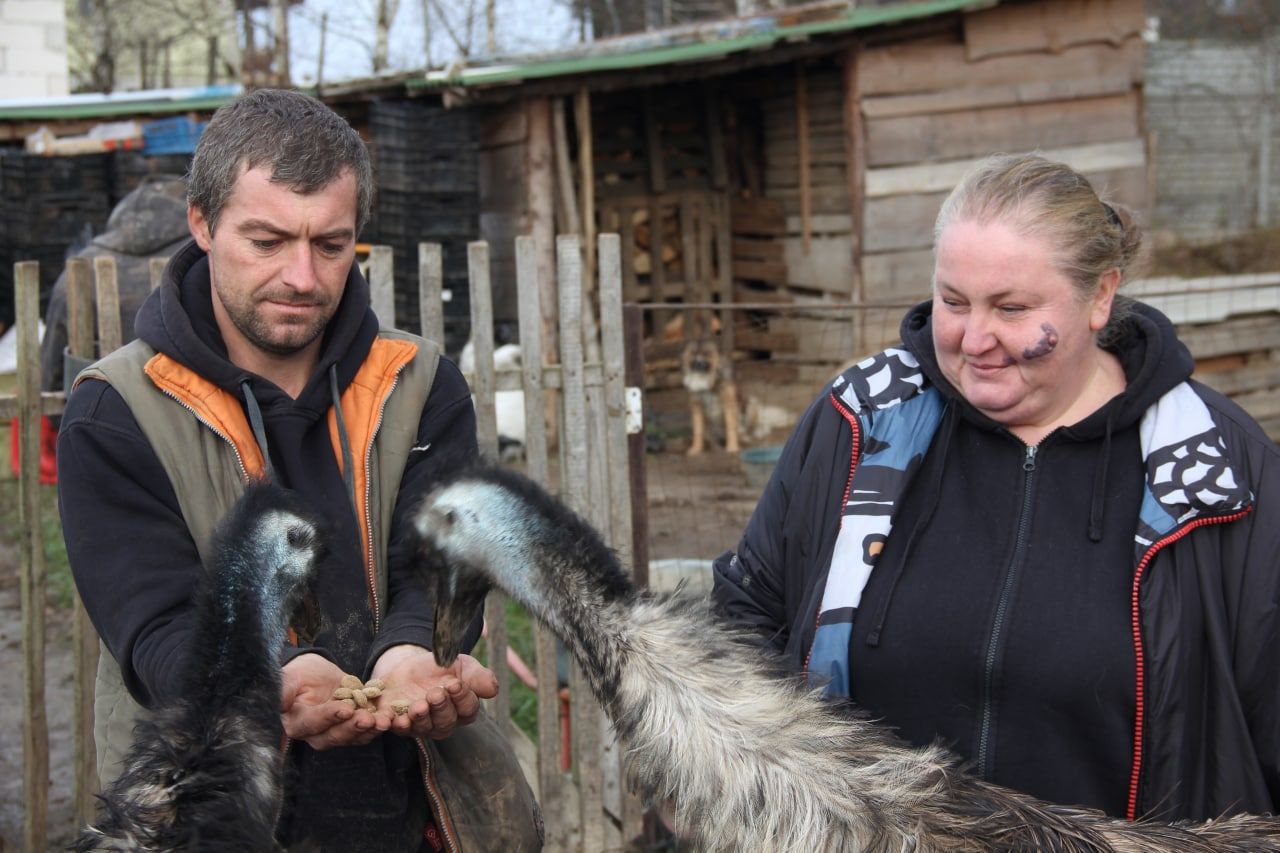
<point x="940" y="177"/>
<point x="568" y="207"/>
<point x="540" y="152"/>
<point x="855" y="169"/>
<point x="715" y="136"/>
<point x="919" y="67"/>
<point x="586" y="184"/>
<point x="997" y="95"/>
<point x="1016" y="127"/>
<point x="653" y="145"/>
<point x="802" y="140"/>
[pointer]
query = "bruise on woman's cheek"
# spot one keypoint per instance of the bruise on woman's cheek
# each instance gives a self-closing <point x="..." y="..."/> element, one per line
<point x="1048" y="343"/>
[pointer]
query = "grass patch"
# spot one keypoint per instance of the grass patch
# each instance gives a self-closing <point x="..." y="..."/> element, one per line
<point x="524" y="700"/>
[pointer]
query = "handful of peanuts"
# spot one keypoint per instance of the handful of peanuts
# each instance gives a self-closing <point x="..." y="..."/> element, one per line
<point x="359" y="693"/>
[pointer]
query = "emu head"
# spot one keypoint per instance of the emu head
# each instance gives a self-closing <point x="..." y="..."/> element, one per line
<point x="472" y="534"/>
<point x="271" y="543"/>
<point x="488" y="526"/>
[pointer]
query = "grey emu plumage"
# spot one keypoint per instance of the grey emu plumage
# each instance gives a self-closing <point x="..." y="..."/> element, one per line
<point x="751" y="758"/>
<point x="204" y="771"/>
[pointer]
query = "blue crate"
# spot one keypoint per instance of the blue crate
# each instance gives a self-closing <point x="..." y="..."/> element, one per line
<point x="172" y="135"/>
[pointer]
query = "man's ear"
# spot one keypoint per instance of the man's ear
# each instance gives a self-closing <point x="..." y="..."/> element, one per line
<point x="199" y="227"/>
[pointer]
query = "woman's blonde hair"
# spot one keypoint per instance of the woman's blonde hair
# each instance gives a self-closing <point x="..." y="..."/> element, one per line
<point x="1040" y="198"/>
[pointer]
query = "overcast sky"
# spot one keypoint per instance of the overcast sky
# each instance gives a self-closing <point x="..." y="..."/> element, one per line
<point x="522" y="26"/>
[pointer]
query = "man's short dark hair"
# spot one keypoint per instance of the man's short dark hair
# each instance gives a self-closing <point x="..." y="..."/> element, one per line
<point x="305" y="145"/>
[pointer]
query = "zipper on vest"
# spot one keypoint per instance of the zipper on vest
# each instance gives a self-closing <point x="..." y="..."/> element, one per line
<point x="368" y="495"/>
<point x="439" y="812"/>
<point x="219" y="433"/>
<point x="984" y="760"/>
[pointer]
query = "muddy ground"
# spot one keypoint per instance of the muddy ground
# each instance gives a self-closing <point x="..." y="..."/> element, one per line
<point x="697" y="508"/>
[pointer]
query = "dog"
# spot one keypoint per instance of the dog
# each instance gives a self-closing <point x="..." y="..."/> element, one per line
<point x="713" y="394"/>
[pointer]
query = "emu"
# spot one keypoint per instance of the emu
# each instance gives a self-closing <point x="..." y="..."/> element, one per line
<point x="204" y="771"/>
<point x="751" y="758"/>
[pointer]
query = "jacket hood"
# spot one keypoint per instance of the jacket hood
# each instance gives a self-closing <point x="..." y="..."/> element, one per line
<point x="149" y="218"/>
<point x="177" y="320"/>
<point x="1154" y="362"/>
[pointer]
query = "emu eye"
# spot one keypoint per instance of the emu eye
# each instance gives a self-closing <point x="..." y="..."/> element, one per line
<point x="299" y="536"/>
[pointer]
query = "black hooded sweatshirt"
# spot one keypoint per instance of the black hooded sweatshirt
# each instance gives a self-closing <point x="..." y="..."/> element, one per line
<point x="135" y="563"/>
<point x="1001" y="624"/>
<point x="1003" y="614"/>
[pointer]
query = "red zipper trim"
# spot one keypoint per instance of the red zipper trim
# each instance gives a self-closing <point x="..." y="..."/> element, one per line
<point x="848" y="485"/>
<point x="1139" y="717"/>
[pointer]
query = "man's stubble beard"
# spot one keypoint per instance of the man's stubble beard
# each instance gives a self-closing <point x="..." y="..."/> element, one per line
<point x="267" y="336"/>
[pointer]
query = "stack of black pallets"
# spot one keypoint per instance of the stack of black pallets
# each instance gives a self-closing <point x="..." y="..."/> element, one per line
<point x="48" y="206"/>
<point x="427" y="163"/>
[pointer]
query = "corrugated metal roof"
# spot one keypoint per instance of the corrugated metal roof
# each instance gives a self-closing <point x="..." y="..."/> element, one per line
<point x="120" y="103"/>
<point x="701" y="43"/>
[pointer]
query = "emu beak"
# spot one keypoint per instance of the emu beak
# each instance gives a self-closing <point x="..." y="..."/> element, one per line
<point x="458" y="603"/>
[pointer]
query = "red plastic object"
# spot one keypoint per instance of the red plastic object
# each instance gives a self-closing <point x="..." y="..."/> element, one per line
<point x="48" y="451"/>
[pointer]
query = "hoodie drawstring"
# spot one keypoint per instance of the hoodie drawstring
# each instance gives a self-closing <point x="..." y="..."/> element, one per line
<point x="946" y="434"/>
<point x="259" y="433"/>
<point x="348" y="463"/>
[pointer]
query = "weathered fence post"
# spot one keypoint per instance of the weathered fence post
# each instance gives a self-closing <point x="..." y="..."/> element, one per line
<point x="382" y="284"/>
<point x="612" y="338"/>
<point x="482" y="386"/>
<point x="584" y="713"/>
<point x="529" y="288"/>
<point x="84" y="639"/>
<point x="35" y="738"/>
<point x="431" y="291"/>
<point x="110" y="336"/>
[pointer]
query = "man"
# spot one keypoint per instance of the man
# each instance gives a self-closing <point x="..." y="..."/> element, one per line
<point x="259" y="356"/>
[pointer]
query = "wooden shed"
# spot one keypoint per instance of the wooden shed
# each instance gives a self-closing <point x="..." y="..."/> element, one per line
<point x="787" y="168"/>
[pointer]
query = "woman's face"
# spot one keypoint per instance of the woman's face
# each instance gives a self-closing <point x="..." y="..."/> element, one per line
<point x="1011" y="331"/>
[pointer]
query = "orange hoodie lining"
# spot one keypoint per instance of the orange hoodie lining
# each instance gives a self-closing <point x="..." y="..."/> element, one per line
<point x="212" y="404"/>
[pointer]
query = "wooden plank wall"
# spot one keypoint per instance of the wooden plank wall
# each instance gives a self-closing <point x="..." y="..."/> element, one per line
<point x="1063" y="77"/>
<point x="933" y="109"/>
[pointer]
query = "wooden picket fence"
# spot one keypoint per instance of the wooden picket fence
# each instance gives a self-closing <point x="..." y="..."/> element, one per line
<point x="598" y="470"/>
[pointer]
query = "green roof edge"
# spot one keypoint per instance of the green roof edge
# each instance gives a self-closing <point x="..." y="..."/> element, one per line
<point x="52" y="112"/>
<point x="857" y="18"/>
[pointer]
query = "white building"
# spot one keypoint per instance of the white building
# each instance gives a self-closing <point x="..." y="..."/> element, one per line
<point x="33" y="49"/>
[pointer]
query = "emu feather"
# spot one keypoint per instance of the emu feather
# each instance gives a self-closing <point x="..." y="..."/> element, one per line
<point x="750" y="757"/>
<point x="204" y="771"/>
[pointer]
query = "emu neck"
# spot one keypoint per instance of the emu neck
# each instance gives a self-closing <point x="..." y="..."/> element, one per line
<point x="239" y="631"/>
<point x="585" y="603"/>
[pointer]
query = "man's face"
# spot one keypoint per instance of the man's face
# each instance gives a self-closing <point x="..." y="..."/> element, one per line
<point x="279" y="261"/>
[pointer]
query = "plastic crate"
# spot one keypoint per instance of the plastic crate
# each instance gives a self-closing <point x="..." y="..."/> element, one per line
<point x="171" y="135"/>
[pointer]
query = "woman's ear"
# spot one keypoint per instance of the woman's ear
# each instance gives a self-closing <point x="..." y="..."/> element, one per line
<point x="1100" y="311"/>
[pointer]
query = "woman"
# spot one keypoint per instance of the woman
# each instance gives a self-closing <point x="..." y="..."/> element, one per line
<point x="1026" y="533"/>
